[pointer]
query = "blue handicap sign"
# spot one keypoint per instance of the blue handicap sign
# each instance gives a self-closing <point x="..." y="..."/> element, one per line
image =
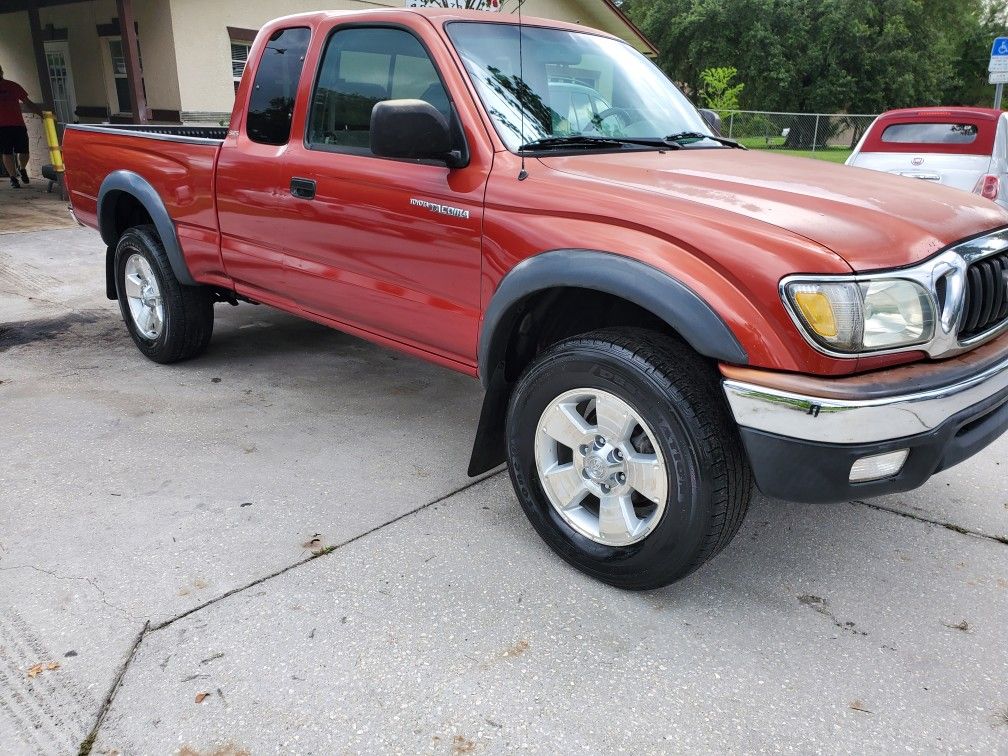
<point x="1000" y="48"/>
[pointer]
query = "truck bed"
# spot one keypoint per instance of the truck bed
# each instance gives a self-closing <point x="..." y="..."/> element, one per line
<point x="176" y="161"/>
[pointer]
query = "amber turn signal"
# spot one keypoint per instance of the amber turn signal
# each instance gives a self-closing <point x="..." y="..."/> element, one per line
<point x="817" y="311"/>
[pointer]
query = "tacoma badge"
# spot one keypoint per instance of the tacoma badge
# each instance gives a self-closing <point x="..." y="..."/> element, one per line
<point x="434" y="207"/>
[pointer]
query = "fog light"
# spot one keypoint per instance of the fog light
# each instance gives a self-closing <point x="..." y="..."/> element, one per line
<point x="878" y="466"/>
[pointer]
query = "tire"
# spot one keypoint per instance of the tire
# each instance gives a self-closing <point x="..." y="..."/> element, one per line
<point x="690" y="445"/>
<point x="184" y="321"/>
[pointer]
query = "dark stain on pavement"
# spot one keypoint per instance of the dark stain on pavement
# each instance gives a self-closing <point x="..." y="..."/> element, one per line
<point x="23" y="332"/>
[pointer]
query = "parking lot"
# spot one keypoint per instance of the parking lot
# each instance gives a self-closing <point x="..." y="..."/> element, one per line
<point x="275" y="547"/>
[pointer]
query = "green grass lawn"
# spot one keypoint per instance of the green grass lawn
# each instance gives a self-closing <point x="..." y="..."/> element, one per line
<point x="761" y="143"/>
<point x="833" y="156"/>
<point x="774" y="144"/>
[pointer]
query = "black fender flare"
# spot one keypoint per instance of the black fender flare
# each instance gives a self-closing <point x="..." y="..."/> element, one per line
<point x="138" y="187"/>
<point x="667" y="298"/>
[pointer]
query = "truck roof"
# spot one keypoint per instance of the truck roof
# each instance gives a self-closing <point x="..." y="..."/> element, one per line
<point x="440" y="16"/>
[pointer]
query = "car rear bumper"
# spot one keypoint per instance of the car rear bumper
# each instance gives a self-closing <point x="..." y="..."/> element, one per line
<point x="802" y="445"/>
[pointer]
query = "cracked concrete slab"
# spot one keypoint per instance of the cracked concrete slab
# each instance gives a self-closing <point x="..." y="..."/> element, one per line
<point x="132" y="491"/>
<point x="973" y="494"/>
<point x="821" y="628"/>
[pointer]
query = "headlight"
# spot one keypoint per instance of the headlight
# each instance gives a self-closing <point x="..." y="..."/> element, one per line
<point x="862" y="316"/>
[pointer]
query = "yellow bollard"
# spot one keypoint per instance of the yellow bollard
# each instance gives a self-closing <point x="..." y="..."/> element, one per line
<point x="55" y="153"/>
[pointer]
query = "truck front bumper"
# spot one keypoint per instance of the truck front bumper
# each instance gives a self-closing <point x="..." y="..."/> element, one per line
<point x="803" y="445"/>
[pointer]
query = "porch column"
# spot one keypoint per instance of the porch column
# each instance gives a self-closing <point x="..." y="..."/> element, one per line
<point x="38" y="45"/>
<point x="131" y="52"/>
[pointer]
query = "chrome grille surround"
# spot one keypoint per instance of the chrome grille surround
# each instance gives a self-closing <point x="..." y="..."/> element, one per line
<point x="948" y="269"/>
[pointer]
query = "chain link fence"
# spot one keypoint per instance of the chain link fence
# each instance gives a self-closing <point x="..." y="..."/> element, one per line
<point x="805" y="132"/>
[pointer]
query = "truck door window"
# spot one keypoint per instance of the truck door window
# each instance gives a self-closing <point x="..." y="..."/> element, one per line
<point x="360" y="68"/>
<point x="275" y="87"/>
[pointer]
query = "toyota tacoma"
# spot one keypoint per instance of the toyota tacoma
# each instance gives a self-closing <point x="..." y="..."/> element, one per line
<point x="661" y="319"/>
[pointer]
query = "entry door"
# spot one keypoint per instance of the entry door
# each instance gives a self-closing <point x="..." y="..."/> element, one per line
<point x="391" y="247"/>
<point x="61" y="78"/>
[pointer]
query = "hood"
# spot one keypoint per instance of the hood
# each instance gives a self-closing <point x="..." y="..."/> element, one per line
<point x="871" y="219"/>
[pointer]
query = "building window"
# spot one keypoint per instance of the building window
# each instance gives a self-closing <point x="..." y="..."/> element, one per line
<point x="119" y="72"/>
<point x="239" y="57"/>
<point x="117" y="58"/>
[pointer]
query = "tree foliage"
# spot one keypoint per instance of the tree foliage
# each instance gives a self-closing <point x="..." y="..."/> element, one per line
<point x="854" y="56"/>
<point x="718" y="92"/>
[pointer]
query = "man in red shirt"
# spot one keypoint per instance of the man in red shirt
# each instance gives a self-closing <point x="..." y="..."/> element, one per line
<point x="13" y="134"/>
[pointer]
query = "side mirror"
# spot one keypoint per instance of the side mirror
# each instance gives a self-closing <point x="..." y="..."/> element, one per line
<point x="712" y="119"/>
<point x="412" y="130"/>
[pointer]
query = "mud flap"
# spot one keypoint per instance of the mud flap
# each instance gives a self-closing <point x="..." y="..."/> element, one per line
<point x="110" y="284"/>
<point x="489" y="448"/>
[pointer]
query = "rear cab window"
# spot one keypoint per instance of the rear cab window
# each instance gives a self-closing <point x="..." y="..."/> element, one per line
<point x="274" y="90"/>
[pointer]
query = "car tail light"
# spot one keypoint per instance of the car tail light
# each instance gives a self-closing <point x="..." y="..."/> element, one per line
<point x="988" y="187"/>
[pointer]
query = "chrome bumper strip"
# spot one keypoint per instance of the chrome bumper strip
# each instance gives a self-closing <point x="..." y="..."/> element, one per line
<point x="837" y="421"/>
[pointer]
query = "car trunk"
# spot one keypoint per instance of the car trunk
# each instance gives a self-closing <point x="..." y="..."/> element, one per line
<point x="957" y="171"/>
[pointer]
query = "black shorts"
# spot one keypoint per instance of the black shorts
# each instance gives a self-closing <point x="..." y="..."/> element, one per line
<point x="13" y="140"/>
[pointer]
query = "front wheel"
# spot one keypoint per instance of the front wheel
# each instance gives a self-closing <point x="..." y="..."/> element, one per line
<point x="624" y="457"/>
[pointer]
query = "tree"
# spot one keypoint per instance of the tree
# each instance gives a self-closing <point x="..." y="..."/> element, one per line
<point x="718" y="93"/>
<point x="854" y="56"/>
<point x="972" y="87"/>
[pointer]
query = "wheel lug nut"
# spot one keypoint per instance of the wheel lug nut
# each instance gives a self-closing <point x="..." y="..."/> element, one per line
<point x="617" y="455"/>
<point x="605" y="488"/>
<point x="583" y="449"/>
<point x="599" y="441"/>
<point x="621" y="478"/>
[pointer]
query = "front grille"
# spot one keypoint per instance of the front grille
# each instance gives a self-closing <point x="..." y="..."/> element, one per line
<point x="986" y="301"/>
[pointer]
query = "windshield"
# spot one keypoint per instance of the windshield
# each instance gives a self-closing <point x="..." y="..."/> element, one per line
<point x="570" y="84"/>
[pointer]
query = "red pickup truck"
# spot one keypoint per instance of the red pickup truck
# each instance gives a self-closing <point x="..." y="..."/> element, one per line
<point x="660" y="318"/>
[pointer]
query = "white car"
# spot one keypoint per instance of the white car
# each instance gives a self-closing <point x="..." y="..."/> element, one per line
<point x="965" y="148"/>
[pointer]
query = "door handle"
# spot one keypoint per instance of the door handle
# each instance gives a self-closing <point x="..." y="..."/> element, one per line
<point x="302" y="188"/>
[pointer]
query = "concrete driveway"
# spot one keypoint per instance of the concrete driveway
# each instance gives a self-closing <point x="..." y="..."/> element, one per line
<point x="275" y="548"/>
<point x="32" y="208"/>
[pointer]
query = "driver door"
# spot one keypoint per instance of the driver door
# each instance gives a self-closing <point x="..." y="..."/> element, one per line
<point x="390" y="247"/>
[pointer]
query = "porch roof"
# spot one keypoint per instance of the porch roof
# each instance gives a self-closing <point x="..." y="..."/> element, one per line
<point x="18" y="6"/>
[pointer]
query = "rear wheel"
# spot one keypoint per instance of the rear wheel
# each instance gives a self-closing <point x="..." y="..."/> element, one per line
<point x="169" y="322"/>
<point x="624" y="457"/>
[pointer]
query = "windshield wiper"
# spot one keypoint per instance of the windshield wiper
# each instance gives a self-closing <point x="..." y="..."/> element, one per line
<point x="683" y="135"/>
<point x="587" y="142"/>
